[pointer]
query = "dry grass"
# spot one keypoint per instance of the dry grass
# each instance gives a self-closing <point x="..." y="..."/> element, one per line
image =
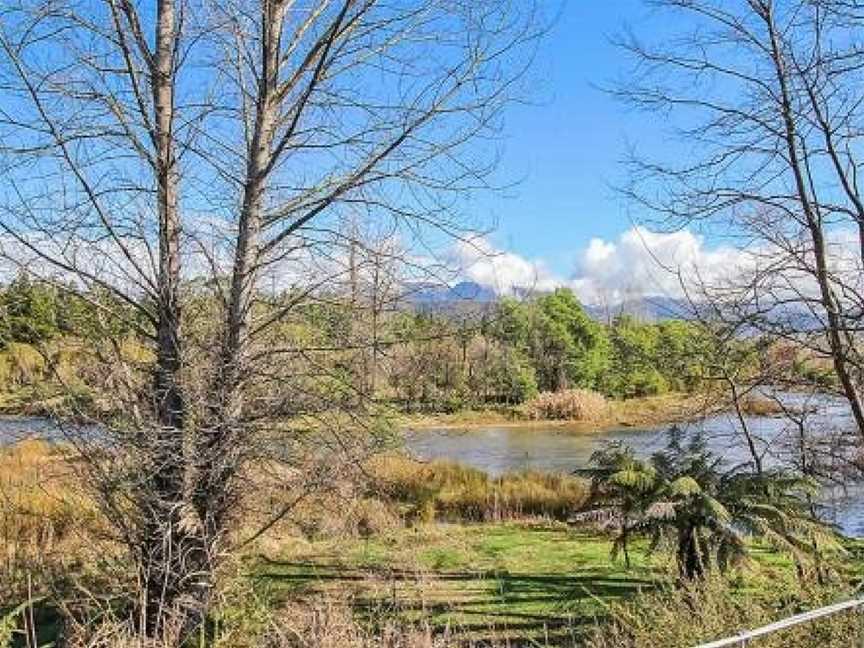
<point x="312" y="625"/>
<point x="644" y="411"/>
<point x="567" y="405"/>
<point x="331" y="515"/>
<point x="688" y="616"/>
<point x="44" y="516"/>
<point x="456" y="492"/>
<point x="757" y="405"/>
<point x="24" y="363"/>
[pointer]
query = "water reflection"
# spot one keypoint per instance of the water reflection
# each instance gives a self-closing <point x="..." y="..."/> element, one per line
<point x="499" y="449"/>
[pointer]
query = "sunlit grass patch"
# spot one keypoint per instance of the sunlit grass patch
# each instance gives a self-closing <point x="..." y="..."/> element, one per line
<point x="525" y="577"/>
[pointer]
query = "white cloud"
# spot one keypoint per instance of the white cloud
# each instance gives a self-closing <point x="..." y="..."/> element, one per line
<point x="643" y="263"/>
<point x="504" y="272"/>
<point x="639" y="263"/>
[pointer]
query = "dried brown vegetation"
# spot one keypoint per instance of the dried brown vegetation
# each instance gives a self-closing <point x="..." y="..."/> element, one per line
<point x="567" y="405"/>
<point x="451" y="491"/>
<point x="46" y="518"/>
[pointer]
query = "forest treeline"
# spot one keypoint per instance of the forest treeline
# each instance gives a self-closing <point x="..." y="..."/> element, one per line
<point x="422" y="359"/>
<point x="519" y="348"/>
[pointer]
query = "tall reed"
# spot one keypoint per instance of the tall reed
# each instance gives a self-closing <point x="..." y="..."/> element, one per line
<point x="567" y="405"/>
<point x="460" y="493"/>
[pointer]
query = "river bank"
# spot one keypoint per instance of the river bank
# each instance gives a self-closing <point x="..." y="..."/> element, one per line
<point x="645" y="412"/>
<point x="429" y="548"/>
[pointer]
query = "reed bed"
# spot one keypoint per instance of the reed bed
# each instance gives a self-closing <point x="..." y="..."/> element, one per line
<point x="567" y="405"/>
<point x="443" y="489"/>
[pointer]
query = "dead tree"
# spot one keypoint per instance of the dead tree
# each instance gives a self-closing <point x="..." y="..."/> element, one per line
<point x="769" y="100"/>
<point x="179" y="157"/>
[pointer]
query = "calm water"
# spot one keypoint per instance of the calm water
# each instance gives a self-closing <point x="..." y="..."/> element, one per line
<point x="15" y="428"/>
<point x="499" y="449"/>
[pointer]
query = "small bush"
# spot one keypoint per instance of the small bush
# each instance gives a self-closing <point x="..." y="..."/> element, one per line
<point x="568" y="405"/>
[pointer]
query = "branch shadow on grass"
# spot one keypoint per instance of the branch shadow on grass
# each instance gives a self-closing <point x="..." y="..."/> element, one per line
<point x="527" y="607"/>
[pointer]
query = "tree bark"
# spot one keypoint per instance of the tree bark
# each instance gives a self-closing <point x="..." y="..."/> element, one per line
<point x="168" y="567"/>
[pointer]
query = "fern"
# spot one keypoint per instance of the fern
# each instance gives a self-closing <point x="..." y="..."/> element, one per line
<point x="9" y="625"/>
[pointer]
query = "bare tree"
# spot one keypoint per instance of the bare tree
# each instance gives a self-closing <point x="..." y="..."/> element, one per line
<point x="768" y="96"/>
<point x="181" y="156"/>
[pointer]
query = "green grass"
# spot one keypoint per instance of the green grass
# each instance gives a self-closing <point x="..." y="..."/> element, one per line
<point x="541" y="583"/>
<point x="525" y="581"/>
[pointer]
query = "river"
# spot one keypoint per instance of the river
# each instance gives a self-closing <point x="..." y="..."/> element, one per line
<point x="499" y="449"/>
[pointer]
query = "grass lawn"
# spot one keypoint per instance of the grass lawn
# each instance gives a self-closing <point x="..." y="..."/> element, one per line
<point x="510" y="580"/>
<point x="533" y="584"/>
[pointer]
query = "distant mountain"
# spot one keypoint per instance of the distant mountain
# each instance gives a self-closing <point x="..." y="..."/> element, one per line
<point x="434" y="295"/>
<point x="793" y="318"/>
<point x="471" y="295"/>
<point x="651" y="309"/>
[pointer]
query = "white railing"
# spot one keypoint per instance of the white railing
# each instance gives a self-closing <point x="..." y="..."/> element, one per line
<point x="745" y="638"/>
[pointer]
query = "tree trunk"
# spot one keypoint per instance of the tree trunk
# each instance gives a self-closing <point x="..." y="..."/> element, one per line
<point x="690" y="562"/>
<point x="625" y="537"/>
<point x="175" y="571"/>
<point x="168" y="569"/>
<point x="814" y="225"/>
<point x="243" y="279"/>
<point x="216" y="457"/>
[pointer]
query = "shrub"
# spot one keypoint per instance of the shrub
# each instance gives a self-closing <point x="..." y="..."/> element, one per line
<point x="567" y="405"/>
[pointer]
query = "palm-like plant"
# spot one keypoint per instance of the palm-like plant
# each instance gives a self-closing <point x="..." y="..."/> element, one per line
<point x="622" y="489"/>
<point x="686" y="496"/>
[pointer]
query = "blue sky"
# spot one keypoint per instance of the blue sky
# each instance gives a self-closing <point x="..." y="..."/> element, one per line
<point x="566" y="149"/>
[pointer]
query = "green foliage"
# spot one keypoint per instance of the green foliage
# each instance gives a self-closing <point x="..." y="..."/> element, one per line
<point x="625" y="359"/>
<point x="649" y="359"/>
<point x="684" y="497"/>
<point x="28" y="312"/>
<point x="681" y="352"/>
<point x="33" y="312"/>
<point x="566" y="347"/>
<point x="437" y="361"/>
<point x="569" y="348"/>
<point x="512" y="377"/>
